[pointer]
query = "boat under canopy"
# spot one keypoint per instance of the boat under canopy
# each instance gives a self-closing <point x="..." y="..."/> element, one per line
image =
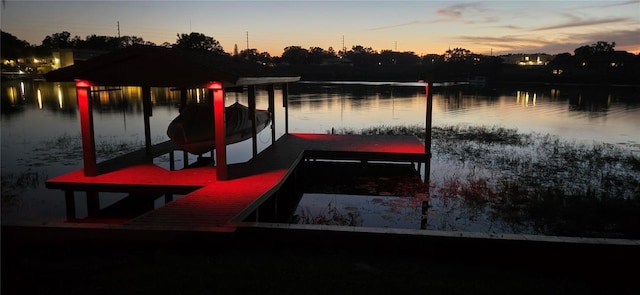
<point x="193" y="129"/>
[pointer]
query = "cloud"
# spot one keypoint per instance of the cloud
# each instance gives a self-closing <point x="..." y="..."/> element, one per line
<point x="457" y="11"/>
<point x="466" y="13"/>
<point x="511" y="27"/>
<point x="624" y="39"/>
<point x="504" y="43"/>
<point x="606" y="4"/>
<point x="407" y="24"/>
<point x="581" y="23"/>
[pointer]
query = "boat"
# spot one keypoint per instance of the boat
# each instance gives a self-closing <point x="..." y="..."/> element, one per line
<point x="193" y="129"/>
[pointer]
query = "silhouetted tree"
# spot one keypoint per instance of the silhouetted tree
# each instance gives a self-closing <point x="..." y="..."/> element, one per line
<point x="126" y="41"/>
<point x="57" y="41"/>
<point x="428" y="59"/>
<point x="12" y="47"/>
<point x="563" y="61"/>
<point x="389" y="57"/>
<point x="315" y="55"/>
<point x="254" y="56"/>
<point x="96" y="42"/>
<point x="603" y="46"/>
<point x="457" y="55"/>
<point x="198" y="41"/>
<point x="361" y="55"/>
<point x="295" y="55"/>
<point x="331" y="52"/>
<point x="595" y="52"/>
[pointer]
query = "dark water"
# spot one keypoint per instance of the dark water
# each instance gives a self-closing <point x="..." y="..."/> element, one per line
<point x="40" y="130"/>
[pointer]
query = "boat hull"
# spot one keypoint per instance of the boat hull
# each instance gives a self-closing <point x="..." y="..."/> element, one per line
<point x="194" y="130"/>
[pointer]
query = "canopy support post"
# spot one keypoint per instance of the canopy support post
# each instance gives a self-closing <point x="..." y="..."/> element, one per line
<point x="252" y="116"/>
<point x="146" y="109"/>
<point x="427" y="130"/>
<point x="219" y="129"/>
<point x="285" y="104"/>
<point x="272" y="112"/>
<point x="183" y="99"/>
<point x="83" y="91"/>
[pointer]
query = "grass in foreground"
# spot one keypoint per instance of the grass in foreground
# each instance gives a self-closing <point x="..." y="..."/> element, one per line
<point x="534" y="183"/>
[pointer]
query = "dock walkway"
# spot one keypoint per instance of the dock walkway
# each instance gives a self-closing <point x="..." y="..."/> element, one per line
<point x="212" y="205"/>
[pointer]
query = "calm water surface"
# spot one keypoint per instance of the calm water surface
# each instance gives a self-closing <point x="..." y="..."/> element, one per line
<point x="40" y="124"/>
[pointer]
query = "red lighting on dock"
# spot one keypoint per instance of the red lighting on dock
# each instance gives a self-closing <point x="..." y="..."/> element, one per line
<point x="83" y="83"/>
<point x="214" y="85"/>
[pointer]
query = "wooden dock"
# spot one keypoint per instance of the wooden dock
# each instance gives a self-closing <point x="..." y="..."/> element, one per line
<point x="218" y="206"/>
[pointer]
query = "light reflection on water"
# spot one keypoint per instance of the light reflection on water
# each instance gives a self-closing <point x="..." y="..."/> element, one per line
<point x="40" y="122"/>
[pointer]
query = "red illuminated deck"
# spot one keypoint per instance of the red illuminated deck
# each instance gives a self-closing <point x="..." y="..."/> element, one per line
<point x="212" y="205"/>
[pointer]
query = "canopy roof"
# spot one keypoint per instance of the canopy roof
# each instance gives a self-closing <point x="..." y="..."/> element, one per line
<point x="153" y="66"/>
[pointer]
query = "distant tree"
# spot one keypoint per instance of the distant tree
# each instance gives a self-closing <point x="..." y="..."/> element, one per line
<point x="127" y="41"/>
<point x="317" y="55"/>
<point x="77" y="42"/>
<point x="57" y="41"/>
<point x="198" y="41"/>
<point x="583" y="52"/>
<point x="457" y="55"/>
<point x="432" y="59"/>
<point x="265" y="58"/>
<point x="600" y="47"/>
<point x="598" y="54"/>
<point x="96" y="42"/>
<point x="12" y="47"/>
<point x="255" y="56"/>
<point x="388" y="57"/>
<point x="359" y="49"/>
<point x="486" y="66"/>
<point x="362" y="56"/>
<point x="562" y="61"/>
<point x="295" y="55"/>
<point x="331" y="52"/>
<point x="603" y="46"/>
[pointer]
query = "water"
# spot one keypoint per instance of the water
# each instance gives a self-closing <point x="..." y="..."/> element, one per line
<point x="40" y="124"/>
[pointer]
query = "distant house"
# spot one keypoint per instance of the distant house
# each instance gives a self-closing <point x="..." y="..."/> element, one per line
<point x="538" y="59"/>
<point x="68" y="57"/>
<point x="529" y="61"/>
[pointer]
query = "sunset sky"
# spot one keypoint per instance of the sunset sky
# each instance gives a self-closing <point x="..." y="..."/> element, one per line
<point x="423" y="27"/>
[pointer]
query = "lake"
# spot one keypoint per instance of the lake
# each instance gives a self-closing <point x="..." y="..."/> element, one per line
<point x="41" y="132"/>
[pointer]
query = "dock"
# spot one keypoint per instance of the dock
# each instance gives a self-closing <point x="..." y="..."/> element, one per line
<point x="212" y="205"/>
<point x="212" y="197"/>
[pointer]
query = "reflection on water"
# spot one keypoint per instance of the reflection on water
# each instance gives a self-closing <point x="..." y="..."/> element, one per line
<point x="359" y="210"/>
<point x="353" y="106"/>
<point x="37" y="115"/>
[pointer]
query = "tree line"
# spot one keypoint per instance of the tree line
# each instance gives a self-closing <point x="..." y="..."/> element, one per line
<point x="592" y="61"/>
